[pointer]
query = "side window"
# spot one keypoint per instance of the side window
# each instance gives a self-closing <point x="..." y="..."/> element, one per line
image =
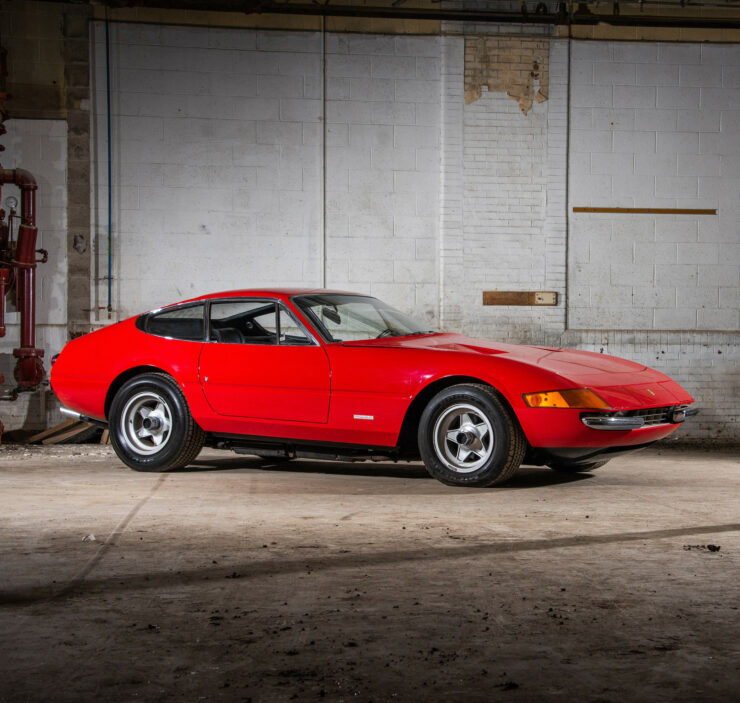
<point x="290" y="331"/>
<point x="182" y="323"/>
<point x="243" y="322"/>
<point x="254" y="322"/>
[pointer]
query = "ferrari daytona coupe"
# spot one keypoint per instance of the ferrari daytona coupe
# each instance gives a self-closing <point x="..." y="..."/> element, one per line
<point x="326" y="374"/>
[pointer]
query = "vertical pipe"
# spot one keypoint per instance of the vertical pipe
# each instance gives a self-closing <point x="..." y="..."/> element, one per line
<point x="323" y="158"/>
<point x="27" y="277"/>
<point x="567" y="179"/>
<point x="28" y="207"/>
<point x="110" y="169"/>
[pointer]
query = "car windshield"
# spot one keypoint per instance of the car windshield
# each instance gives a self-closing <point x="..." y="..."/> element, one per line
<point x="345" y="318"/>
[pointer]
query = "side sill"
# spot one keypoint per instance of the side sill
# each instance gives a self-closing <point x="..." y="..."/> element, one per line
<point x="302" y="449"/>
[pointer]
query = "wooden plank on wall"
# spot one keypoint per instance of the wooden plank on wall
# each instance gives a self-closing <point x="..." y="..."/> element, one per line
<point x="646" y="210"/>
<point x="520" y="297"/>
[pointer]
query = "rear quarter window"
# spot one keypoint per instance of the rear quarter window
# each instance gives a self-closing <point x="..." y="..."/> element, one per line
<point x="181" y="323"/>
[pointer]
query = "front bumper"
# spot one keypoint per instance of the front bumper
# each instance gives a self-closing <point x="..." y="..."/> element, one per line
<point x="565" y="427"/>
<point x="537" y="456"/>
<point x="637" y="419"/>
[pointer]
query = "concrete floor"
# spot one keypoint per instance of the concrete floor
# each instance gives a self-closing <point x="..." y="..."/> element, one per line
<point x="240" y="579"/>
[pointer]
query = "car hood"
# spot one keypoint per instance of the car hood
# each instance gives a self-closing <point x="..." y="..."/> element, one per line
<point x="622" y="383"/>
<point x="564" y="362"/>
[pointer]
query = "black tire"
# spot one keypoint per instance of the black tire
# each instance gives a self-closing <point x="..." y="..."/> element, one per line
<point x="171" y="440"/>
<point x="578" y="468"/>
<point x="486" y="430"/>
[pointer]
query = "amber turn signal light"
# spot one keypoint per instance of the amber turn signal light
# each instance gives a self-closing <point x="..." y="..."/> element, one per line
<point x="576" y="398"/>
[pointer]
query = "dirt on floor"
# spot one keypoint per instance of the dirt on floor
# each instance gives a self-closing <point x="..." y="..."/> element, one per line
<point x="242" y="579"/>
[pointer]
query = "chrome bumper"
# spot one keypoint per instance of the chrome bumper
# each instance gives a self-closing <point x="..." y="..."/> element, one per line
<point x="624" y="423"/>
<point x="612" y="422"/>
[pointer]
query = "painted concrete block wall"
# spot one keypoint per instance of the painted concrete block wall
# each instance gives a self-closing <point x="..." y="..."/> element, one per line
<point x="655" y="126"/>
<point x="40" y="146"/>
<point x="217" y="144"/>
<point x="382" y="167"/>
<point x="658" y="125"/>
<point x="218" y="152"/>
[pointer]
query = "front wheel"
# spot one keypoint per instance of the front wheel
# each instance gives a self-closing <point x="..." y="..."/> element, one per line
<point x="468" y="437"/>
<point x="150" y="424"/>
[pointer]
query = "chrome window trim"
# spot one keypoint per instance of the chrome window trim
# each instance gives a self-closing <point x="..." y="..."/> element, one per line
<point x="279" y="305"/>
<point x="142" y="321"/>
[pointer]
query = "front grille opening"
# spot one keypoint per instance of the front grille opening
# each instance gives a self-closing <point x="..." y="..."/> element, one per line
<point x="653" y="416"/>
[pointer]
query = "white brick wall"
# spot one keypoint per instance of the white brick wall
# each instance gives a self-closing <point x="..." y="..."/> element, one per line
<point x="504" y="172"/>
<point x="503" y="199"/>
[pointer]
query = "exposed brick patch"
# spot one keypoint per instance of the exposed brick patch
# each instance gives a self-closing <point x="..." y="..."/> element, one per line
<point x="518" y="67"/>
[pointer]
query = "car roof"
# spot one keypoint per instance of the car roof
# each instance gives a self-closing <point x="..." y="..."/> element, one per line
<point x="281" y="293"/>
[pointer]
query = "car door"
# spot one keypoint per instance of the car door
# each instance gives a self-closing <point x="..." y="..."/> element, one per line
<point x="261" y="363"/>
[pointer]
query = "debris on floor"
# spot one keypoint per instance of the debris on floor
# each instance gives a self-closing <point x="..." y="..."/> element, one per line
<point x="702" y="547"/>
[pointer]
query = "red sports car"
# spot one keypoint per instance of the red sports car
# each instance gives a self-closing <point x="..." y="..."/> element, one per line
<point x="334" y="375"/>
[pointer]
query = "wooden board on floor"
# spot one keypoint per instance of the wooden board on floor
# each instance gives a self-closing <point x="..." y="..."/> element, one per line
<point x="79" y="428"/>
<point x="52" y="431"/>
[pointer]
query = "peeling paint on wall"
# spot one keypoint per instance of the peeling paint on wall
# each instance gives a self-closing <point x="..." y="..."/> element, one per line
<point x="518" y="67"/>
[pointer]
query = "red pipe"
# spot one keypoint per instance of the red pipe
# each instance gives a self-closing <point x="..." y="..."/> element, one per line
<point x="25" y="263"/>
<point x="4" y="277"/>
<point x="29" y="369"/>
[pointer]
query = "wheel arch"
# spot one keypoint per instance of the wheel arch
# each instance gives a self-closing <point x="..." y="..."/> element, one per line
<point x="407" y="437"/>
<point x="127" y="375"/>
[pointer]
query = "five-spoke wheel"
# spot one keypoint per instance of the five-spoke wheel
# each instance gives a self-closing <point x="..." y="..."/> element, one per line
<point x="463" y="438"/>
<point x="146" y="422"/>
<point x="150" y="424"/>
<point x="468" y="437"/>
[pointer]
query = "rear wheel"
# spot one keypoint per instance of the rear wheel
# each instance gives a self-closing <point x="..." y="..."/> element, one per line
<point x="150" y="424"/>
<point x="578" y="468"/>
<point x="468" y="437"/>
